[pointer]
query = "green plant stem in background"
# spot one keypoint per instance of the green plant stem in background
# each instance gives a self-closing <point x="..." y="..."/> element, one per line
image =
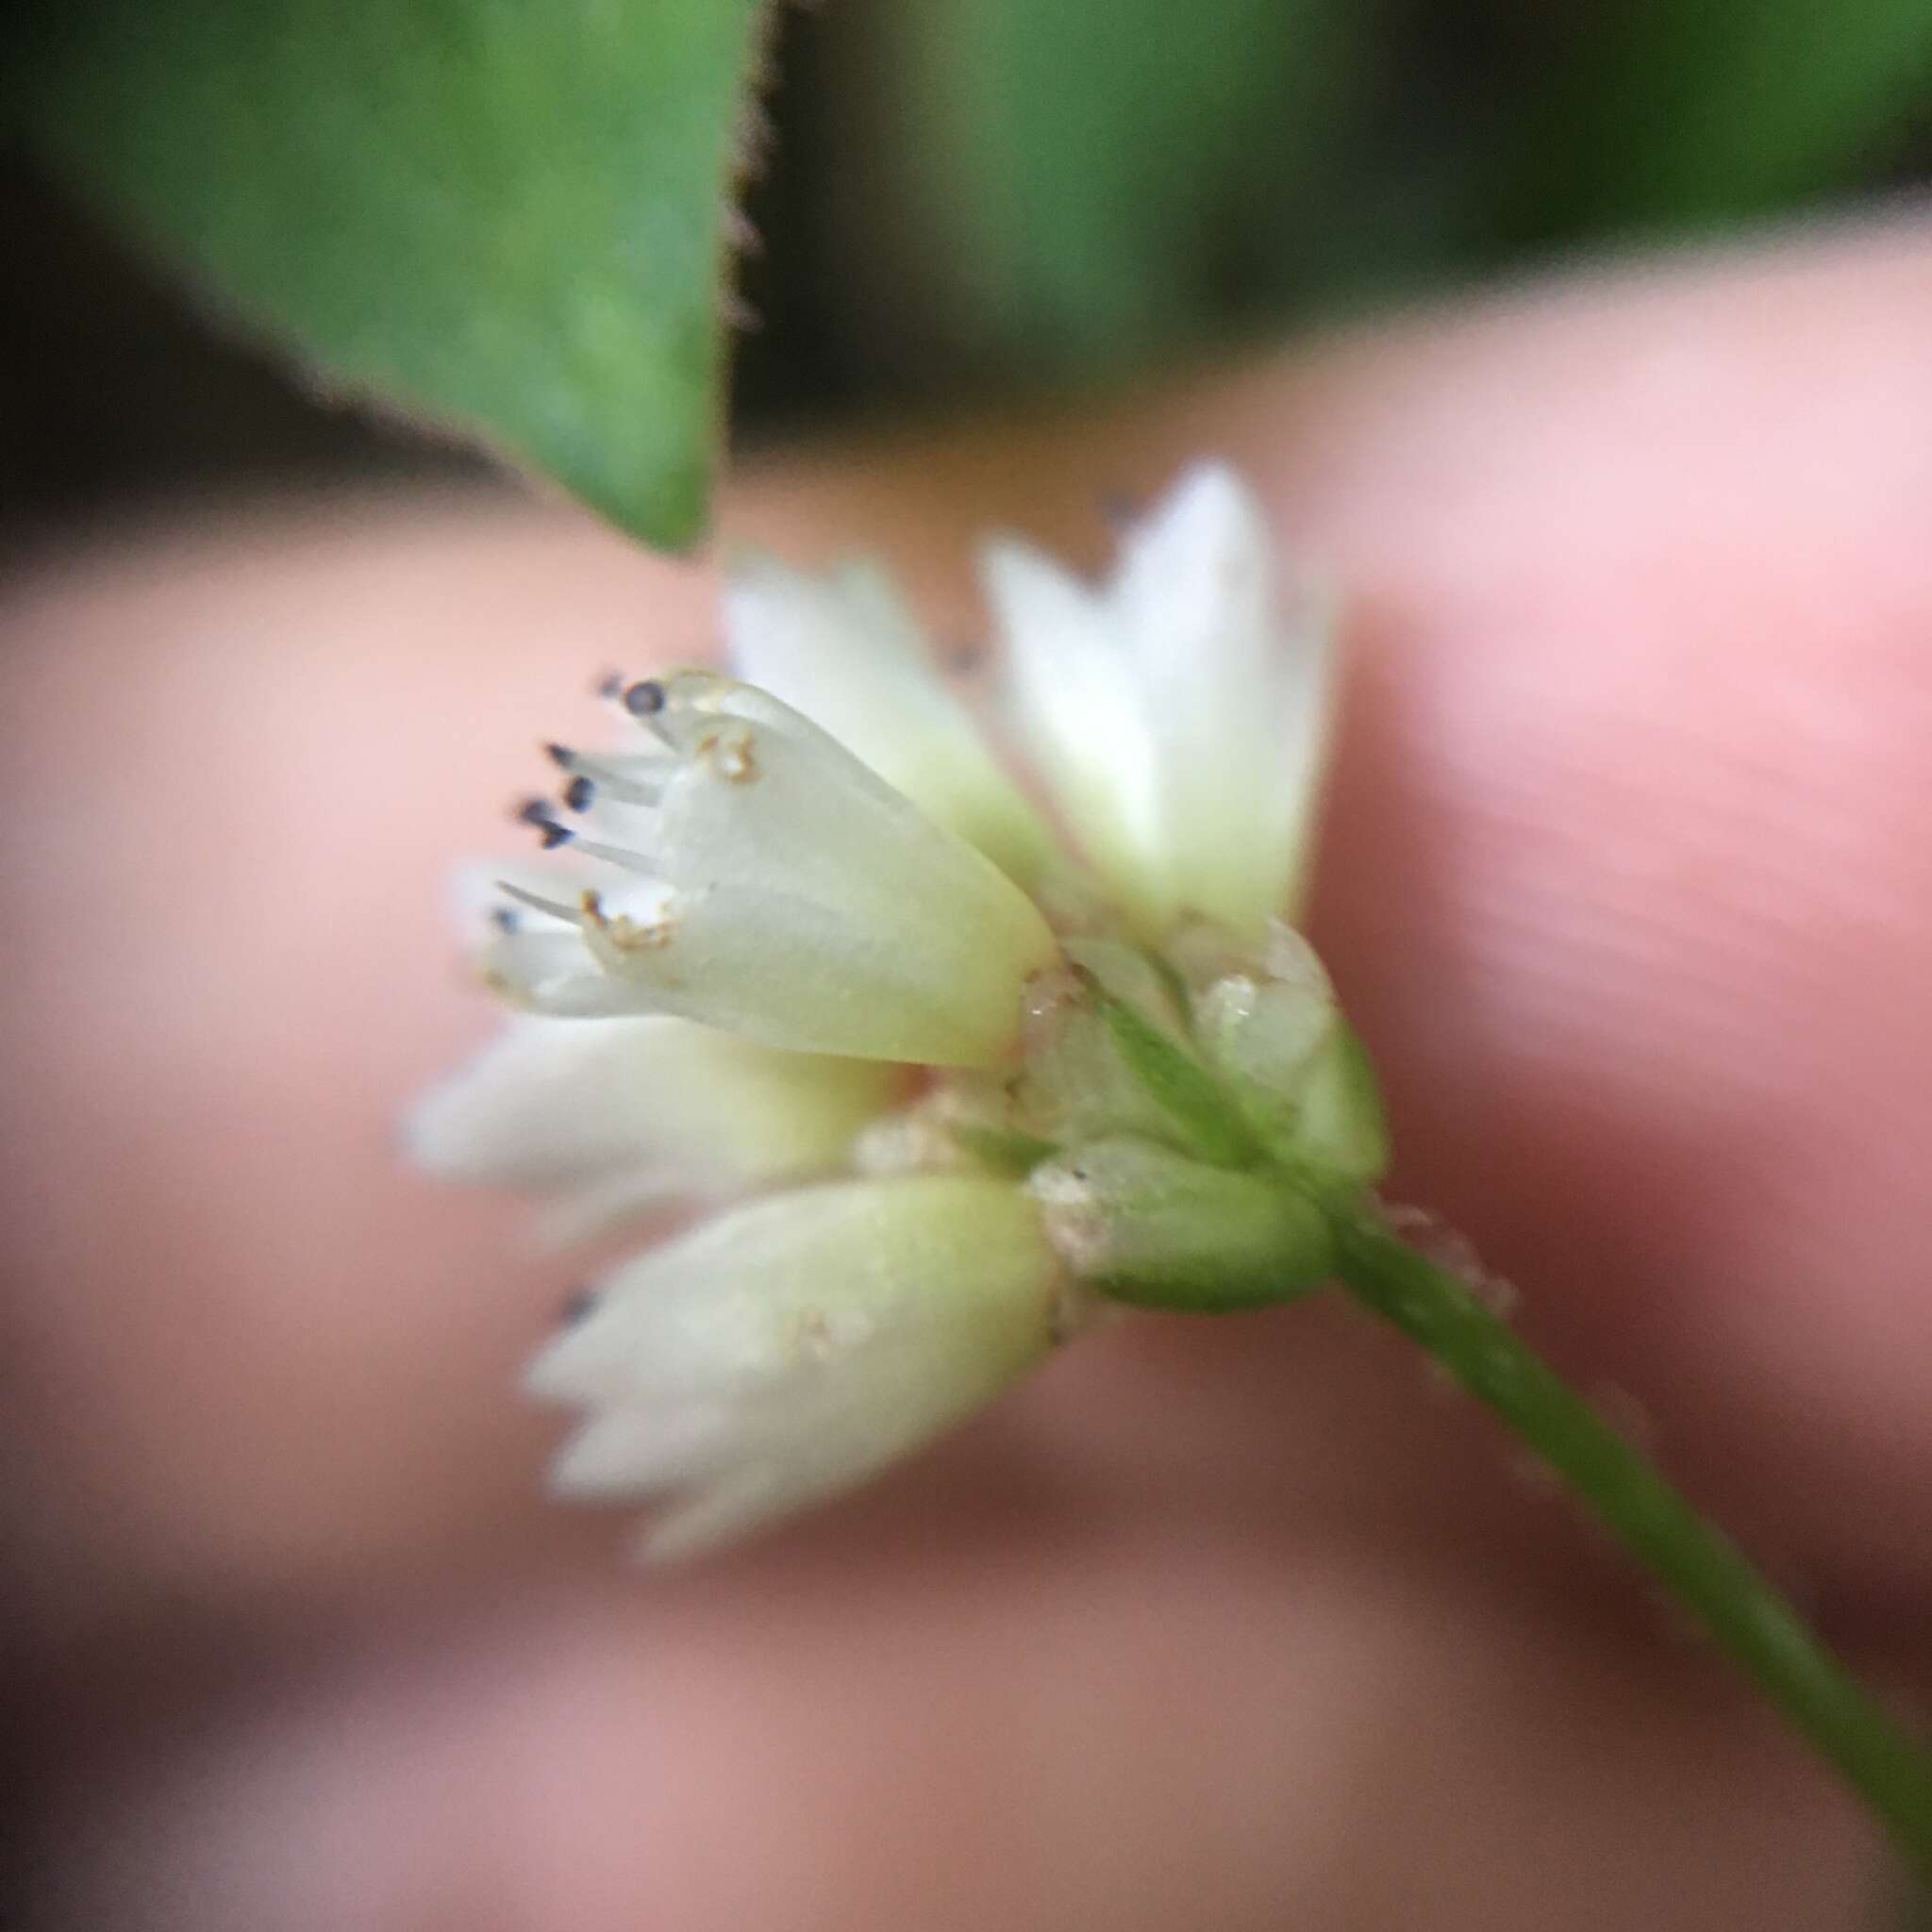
<point x="1701" y="1569"/>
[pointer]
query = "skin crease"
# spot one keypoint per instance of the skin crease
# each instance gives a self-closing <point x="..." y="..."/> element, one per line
<point x="1627" y="881"/>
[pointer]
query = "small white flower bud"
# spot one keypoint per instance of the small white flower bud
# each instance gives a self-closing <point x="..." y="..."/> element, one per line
<point x="789" y="1349"/>
<point x="1180" y="710"/>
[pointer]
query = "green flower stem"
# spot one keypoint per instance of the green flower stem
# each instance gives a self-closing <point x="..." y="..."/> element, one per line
<point x="1762" y="1633"/>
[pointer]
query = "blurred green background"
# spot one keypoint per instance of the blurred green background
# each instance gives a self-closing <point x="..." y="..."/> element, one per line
<point x="969" y="199"/>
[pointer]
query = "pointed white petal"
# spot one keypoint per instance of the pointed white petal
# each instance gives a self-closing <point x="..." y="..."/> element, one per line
<point x="730" y="1510"/>
<point x="1079" y="711"/>
<point x="1194" y="589"/>
<point x="1180" y="713"/>
<point x="615" y="1115"/>
<point x="632" y="1452"/>
<point x="843" y="650"/>
<point x="1234" y="670"/>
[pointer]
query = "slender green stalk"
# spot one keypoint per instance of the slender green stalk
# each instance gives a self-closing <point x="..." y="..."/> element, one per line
<point x="1761" y="1631"/>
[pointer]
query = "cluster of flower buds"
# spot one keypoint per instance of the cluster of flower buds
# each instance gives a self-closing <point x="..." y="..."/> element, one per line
<point x="929" y="1073"/>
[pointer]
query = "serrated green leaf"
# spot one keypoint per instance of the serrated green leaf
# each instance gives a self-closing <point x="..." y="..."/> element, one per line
<point x="505" y="213"/>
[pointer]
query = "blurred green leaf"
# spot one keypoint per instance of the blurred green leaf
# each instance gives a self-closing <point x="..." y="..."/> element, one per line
<point x="507" y="214"/>
<point x="1668" y="113"/>
<point x="1083" y="180"/>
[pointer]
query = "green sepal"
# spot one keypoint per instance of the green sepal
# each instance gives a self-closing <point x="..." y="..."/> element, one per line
<point x="1272" y="1032"/>
<point x="1178" y="1084"/>
<point x="1144" y="1224"/>
<point x="1109" y="1050"/>
<point x="1341" y="1132"/>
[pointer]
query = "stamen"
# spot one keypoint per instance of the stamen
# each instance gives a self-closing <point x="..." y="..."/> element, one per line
<point x="627" y="780"/>
<point x="619" y="855"/>
<point x="609" y="684"/>
<point x="504" y="918"/>
<point x="578" y="793"/>
<point x="558" y="755"/>
<point x="536" y="812"/>
<point x="644" y="699"/>
<point x="553" y="909"/>
<point x="577" y="1304"/>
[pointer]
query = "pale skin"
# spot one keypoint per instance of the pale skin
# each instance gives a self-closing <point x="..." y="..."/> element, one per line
<point x="1627" y="881"/>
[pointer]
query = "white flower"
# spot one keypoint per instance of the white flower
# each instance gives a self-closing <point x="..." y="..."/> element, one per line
<point x="759" y="878"/>
<point x="843" y="649"/>
<point x="834" y="944"/>
<point x="1178" y="712"/>
<point x="603" y="1119"/>
<point x="791" y="1347"/>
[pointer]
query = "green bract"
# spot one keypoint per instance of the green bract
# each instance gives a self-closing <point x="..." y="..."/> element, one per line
<point x="1199" y="1156"/>
<point x="1146" y="1225"/>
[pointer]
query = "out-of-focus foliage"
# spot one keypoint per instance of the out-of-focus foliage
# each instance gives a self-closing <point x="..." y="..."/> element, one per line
<point x="506" y="211"/>
<point x="1082" y="186"/>
<point x="509" y="214"/>
<point x="1672" y="112"/>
